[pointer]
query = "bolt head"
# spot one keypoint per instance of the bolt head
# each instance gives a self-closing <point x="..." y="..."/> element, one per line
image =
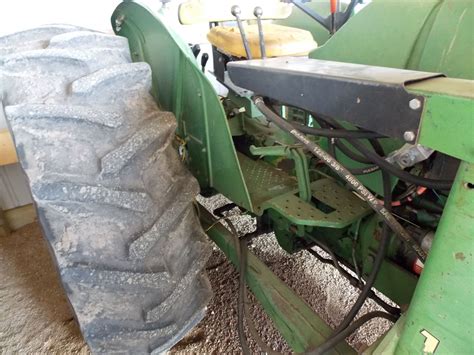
<point x="415" y="104"/>
<point x="409" y="136"/>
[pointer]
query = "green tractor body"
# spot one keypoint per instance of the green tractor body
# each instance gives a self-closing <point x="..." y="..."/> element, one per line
<point x="231" y="149"/>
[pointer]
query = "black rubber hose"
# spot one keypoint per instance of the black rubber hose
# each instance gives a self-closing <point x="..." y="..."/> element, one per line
<point x="385" y="165"/>
<point x="379" y="258"/>
<point x="242" y="296"/>
<point x="336" y="133"/>
<point x="350" y="329"/>
<point x="340" y="144"/>
<point x="364" y="171"/>
<point x="402" y="174"/>
<point x="351" y="154"/>
<point x="344" y="173"/>
<point x="352" y="280"/>
<point x="331" y="142"/>
<point x="242" y="310"/>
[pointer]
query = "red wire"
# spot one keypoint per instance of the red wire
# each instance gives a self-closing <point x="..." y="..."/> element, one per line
<point x="419" y="191"/>
<point x="333" y="6"/>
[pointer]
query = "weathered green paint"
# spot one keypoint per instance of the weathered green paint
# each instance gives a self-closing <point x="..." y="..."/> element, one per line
<point x="299" y="325"/>
<point x="434" y="35"/>
<point x="393" y="280"/>
<point x="346" y="208"/>
<point x="180" y="86"/>
<point x="264" y="181"/>
<point x="448" y="118"/>
<point x="301" y="165"/>
<point x="387" y="344"/>
<point x="388" y="40"/>
<point x="443" y="303"/>
<point x="445" y="43"/>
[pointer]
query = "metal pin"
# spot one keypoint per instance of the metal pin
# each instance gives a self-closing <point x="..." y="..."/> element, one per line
<point x="258" y="12"/>
<point x="235" y="11"/>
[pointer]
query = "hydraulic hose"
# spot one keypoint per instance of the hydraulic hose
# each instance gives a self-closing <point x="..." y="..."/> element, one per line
<point x="350" y="329"/>
<point x="402" y="174"/>
<point x="347" y="151"/>
<point x="379" y="258"/>
<point x="336" y="133"/>
<point x="352" y="280"/>
<point x="385" y="165"/>
<point x="351" y="154"/>
<point x="344" y="173"/>
<point x="242" y="309"/>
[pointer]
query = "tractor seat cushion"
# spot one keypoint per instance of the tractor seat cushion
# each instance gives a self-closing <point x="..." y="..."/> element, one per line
<point x="279" y="40"/>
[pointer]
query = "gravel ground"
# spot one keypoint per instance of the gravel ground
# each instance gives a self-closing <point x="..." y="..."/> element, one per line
<point x="36" y="317"/>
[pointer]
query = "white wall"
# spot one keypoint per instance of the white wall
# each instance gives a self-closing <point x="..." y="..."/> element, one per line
<point x="17" y="15"/>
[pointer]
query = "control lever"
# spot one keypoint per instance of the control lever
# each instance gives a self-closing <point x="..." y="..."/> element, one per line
<point x="204" y="59"/>
<point x="235" y="11"/>
<point x="258" y="12"/>
<point x="334" y="6"/>
<point x="196" y="49"/>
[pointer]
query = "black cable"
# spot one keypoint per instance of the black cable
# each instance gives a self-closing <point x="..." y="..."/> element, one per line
<point x="364" y="171"/>
<point x="242" y="310"/>
<point x="242" y="296"/>
<point x="336" y="133"/>
<point x="352" y="280"/>
<point x="349" y="152"/>
<point x="402" y="174"/>
<point x="345" y="174"/>
<point x="379" y="258"/>
<point x="385" y="165"/>
<point x="350" y="329"/>
<point x="340" y="144"/>
<point x="331" y="141"/>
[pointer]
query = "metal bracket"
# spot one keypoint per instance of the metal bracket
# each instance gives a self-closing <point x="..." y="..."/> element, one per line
<point x="371" y="97"/>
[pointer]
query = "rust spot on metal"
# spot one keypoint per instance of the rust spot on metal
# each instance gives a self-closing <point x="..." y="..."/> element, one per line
<point x="460" y="256"/>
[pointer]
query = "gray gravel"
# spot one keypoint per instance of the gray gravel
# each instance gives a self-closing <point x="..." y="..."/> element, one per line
<point x="320" y="285"/>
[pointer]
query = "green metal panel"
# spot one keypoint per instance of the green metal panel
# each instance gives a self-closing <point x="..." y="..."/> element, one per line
<point x="426" y="35"/>
<point x="448" y="119"/>
<point x="345" y="207"/>
<point x="264" y="181"/>
<point x="180" y="86"/>
<point x="448" y="45"/>
<point x="443" y="303"/>
<point x="298" y="324"/>
<point x="389" y="30"/>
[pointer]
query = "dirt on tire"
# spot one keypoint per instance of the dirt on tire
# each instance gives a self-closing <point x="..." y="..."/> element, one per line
<point x="113" y="198"/>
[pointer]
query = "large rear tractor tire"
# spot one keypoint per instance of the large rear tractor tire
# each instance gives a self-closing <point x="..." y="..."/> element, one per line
<point x="113" y="198"/>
